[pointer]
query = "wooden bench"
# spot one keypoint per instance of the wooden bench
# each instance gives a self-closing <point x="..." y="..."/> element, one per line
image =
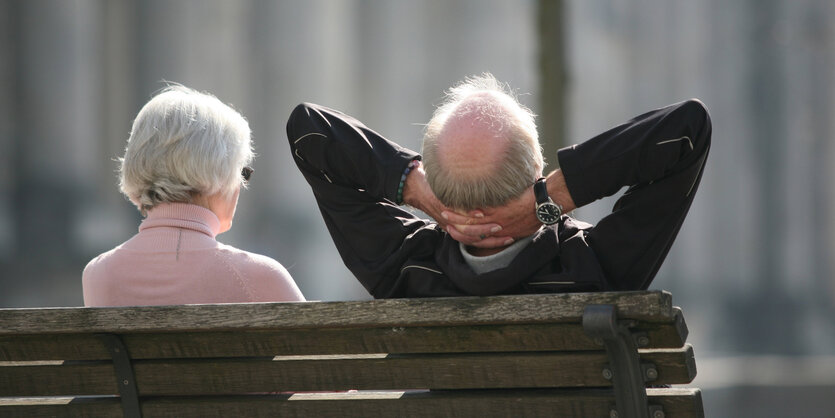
<point x="506" y="356"/>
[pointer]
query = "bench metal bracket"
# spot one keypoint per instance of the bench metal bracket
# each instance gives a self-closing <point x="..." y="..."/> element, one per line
<point x="125" y="378"/>
<point x="625" y="370"/>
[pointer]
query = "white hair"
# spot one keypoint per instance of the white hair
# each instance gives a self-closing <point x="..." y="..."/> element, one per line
<point x="184" y="143"/>
<point x="521" y="165"/>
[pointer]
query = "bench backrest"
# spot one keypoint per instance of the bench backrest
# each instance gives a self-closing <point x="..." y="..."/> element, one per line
<point x="491" y="356"/>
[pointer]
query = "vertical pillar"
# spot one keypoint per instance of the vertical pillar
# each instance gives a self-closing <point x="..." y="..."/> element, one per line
<point x="8" y="118"/>
<point x="58" y="114"/>
<point x="552" y="79"/>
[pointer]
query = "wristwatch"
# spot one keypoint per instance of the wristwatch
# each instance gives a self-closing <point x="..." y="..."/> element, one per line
<point x="547" y="211"/>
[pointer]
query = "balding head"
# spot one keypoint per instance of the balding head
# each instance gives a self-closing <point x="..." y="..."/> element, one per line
<point x="481" y="147"/>
<point x="473" y="140"/>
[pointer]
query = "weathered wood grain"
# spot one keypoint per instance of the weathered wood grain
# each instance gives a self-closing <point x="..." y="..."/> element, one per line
<point x="61" y="407"/>
<point x="52" y="347"/>
<point x="675" y="366"/>
<point x="80" y="378"/>
<point x="534" y="337"/>
<point x="677" y="403"/>
<point x="649" y="306"/>
<point x="313" y="373"/>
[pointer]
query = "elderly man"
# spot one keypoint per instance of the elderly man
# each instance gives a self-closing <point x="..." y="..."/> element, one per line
<point x="500" y="227"/>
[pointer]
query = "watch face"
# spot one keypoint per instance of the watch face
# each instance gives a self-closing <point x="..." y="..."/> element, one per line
<point x="548" y="213"/>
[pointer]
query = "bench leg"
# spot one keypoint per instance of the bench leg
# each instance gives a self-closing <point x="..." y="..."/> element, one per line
<point x="124" y="375"/>
<point x="625" y="370"/>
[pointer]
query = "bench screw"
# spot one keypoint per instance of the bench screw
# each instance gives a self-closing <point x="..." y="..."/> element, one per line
<point x="658" y="414"/>
<point x="607" y="374"/>
<point x="614" y="414"/>
<point x="643" y="341"/>
<point x="652" y="374"/>
<point x="125" y="382"/>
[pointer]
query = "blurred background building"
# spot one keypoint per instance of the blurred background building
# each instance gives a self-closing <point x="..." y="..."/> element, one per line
<point x="752" y="267"/>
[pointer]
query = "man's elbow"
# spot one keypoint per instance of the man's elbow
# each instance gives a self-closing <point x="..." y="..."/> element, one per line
<point x="299" y="118"/>
<point x="302" y="110"/>
<point x="698" y="111"/>
<point x="698" y="118"/>
<point x="299" y="124"/>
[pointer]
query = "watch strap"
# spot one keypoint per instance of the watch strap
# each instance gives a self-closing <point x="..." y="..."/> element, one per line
<point x="540" y="191"/>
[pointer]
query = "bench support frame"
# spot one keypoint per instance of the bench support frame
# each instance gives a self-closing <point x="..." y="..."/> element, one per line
<point x="625" y="370"/>
<point x="125" y="378"/>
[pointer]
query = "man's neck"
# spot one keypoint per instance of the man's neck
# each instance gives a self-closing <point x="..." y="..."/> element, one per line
<point x="483" y="261"/>
<point x="484" y="252"/>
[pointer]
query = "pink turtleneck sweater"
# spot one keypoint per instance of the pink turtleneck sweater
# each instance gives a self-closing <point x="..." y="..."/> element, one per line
<point x="175" y="259"/>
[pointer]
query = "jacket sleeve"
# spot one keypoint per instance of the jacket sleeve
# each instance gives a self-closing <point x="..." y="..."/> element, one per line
<point x="660" y="156"/>
<point x="355" y="173"/>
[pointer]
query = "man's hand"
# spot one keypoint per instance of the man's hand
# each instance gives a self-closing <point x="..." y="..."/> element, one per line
<point x="473" y="231"/>
<point x="517" y="217"/>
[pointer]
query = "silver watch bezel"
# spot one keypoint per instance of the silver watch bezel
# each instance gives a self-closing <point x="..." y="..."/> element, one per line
<point x="548" y="203"/>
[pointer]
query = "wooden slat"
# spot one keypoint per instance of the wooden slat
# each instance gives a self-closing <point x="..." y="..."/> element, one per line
<point x="81" y="378"/>
<point x="485" y="338"/>
<point x="52" y="347"/>
<point x="466" y="371"/>
<point x="680" y="325"/>
<point x="568" y="307"/>
<point x="675" y="366"/>
<point x="535" y="337"/>
<point x="677" y="403"/>
<point x="61" y="407"/>
<point x="310" y="373"/>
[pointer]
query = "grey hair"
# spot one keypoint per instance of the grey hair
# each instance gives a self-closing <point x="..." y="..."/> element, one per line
<point x="184" y="143"/>
<point x="521" y="165"/>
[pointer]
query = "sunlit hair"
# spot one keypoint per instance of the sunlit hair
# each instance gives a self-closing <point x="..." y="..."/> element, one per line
<point x="184" y="143"/>
<point x="491" y="102"/>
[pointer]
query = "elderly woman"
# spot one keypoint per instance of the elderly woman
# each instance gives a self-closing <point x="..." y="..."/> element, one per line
<point x="185" y="163"/>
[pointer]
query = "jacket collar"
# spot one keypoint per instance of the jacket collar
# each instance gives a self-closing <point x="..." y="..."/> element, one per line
<point x="543" y="249"/>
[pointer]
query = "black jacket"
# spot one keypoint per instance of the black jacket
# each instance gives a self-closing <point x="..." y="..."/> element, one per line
<point x="354" y="173"/>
